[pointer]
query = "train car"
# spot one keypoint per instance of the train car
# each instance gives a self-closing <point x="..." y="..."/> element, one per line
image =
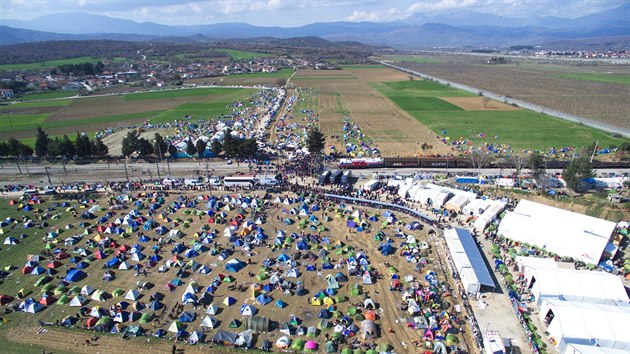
<point x="361" y="162"/>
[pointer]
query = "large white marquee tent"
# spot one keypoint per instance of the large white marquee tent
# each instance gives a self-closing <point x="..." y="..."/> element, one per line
<point x="565" y="233"/>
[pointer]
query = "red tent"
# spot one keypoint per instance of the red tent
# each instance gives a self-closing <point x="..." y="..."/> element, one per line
<point x="47" y="300"/>
<point x="27" y="270"/>
<point x="5" y="299"/>
<point x="54" y="264"/>
<point x="91" y="322"/>
<point x="62" y="255"/>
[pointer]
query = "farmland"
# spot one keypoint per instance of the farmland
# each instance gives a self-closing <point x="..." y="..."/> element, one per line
<point x="242" y="55"/>
<point x="249" y="79"/>
<point x="90" y="114"/>
<point x="595" y="91"/>
<point x="52" y="63"/>
<point x="497" y="124"/>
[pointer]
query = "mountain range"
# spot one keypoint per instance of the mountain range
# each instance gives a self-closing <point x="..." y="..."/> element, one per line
<point x="451" y="29"/>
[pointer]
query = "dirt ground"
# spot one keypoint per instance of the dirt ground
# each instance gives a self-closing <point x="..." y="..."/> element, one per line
<point x="393" y="131"/>
<point x="391" y="323"/>
<point x="114" y="141"/>
<point x="477" y="104"/>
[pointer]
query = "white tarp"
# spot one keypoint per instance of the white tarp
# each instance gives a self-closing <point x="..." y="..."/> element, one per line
<point x="535" y="263"/>
<point x="565" y="233"/>
<point x="587" y="324"/>
<point x="489" y="214"/>
<point x="576" y="285"/>
<point x="591" y="349"/>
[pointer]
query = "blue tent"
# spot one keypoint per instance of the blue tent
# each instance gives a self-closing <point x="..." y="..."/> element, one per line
<point x="187" y="316"/>
<point x="112" y="262"/>
<point x="74" y="275"/>
<point x="283" y="258"/>
<point x="82" y="265"/>
<point x="302" y="245"/>
<point x="179" y="248"/>
<point x="281" y="304"/>
<point x="234" y="265"/>
<point x="327" y="265"/>
<point x="386" y="249"/>
<point x="263" y="299"/>
<point x="155" y="305"/>
<point x="310" y="268"/>
<point x="351" y="223"/>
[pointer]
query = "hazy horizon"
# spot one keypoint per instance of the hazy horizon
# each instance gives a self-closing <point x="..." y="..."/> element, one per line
<point x="285" y="13"/>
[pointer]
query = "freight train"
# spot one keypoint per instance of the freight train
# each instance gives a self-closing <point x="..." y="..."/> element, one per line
<point x="454" y="162"/>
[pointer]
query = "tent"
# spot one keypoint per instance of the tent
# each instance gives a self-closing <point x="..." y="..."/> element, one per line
<point x="368" y="329"/>
<point x="468" y="260"/>
<point x="224" y="337"/>
<point x="248" y="310"/>
<point x="258" y="324"/>
<point x="132" y="294"/>
<point x="209" y="322"/>
<point x="175" y="327"/>
<point x="234" y="265"/>
<point x="565" y="233"/>
<point x="74" y="275"/>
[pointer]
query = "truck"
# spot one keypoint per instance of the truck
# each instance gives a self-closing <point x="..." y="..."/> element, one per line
<point x="335" y="177"/>
<point x="193" y="181"/>
<point x="345" y="177"/>
<point x="371" y="185"/>
<point x="323" y="178"/>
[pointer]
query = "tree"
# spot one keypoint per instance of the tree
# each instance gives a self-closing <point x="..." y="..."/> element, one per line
<point x="200" y="145"/>
<point x="517" y="162"/>
<point x="230" y="145"/>
<point x="145" y="148"/>
<point x="41" y="142"/>
<point x="216" y="147"/>
<point x="67" y="147"/>
<point x="315" y="141"/>
<point x="172" y="150"/>
<point x="82" y="146"/>
<point x="18" y="148"/>
<point x="247" y="148"/>
<point x="191" y="150"/>
<point x="100" y="149"/>
<point x="537" y="165"/>
<point x="576" y="171"/>
<point x="54" y="147"/>
<point x="159" y="145"/>
<point x="4" y="148"/>
<point x="479" y="159"/>
<point x="130" y="143"/>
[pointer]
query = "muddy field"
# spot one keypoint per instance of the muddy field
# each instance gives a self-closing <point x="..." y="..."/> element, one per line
<point x="390" y="321"/>
<point x="541" y="82"/>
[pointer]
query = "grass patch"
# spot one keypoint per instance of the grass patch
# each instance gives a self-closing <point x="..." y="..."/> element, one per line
<point x="417" y="85"/>
<point x="241" y="54"/>
<point x="18" y="122"/>
<point x="411" y="59"/>
<point x="600" y="77"/>
<point x="100" y="119"/>
<point x="36" y="104"/>
<point x="52" y="63"/>
<point x="179" y="93"/>
<point x="522" y="130"/>
<point x="408" y="103"/>
<point x="48" y="95"/>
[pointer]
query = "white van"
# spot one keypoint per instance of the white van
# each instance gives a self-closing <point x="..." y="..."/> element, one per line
<point x="193" y="181"/>
<point x="214" y="181"/>
<point x="171" y="182"/>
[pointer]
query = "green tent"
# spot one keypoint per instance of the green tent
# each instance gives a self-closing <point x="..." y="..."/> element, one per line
<point x="262" y="276"/>
<point x="346" y="351"/>
<point x="60" y="290"/>
<point x="383" y="347"/>
<point x="64" y="299"/>
<point x="352" y="311"/>
<point x="298" y="344"/>
<point x="323" y="324"/>
<point x="358" y="351"/>
<point x="104" y="321"/>
<point x="48" y="287"/>
<point x="355" y="290"/>
<point x="134" y="331"/>
<point x="339" y="298"/>
<point x="371" y="351"/>
<point x="331" y="347"/>
<point x="235" y="324"/>
<point x="118" y="292"/>
<point x="42" y="280"/>
<point x="146" y="317"/>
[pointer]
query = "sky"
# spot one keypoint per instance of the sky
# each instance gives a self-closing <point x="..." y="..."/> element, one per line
<point x="288" y="13"/>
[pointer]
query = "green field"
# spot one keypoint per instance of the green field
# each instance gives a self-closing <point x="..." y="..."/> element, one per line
<point x="53" y="63"/>
<point x="282" y="73"/>
<point x="600" y="77"/>
<point x="179" y="93"/>
<point x="242" y="55"/>
<point x="17" y="122"/>
<point x="35" y="104"/>
<point x="48" y="95"/>
<point x="519" y="129"/>
<point x="408" y="104"/>
<point x="410" y="59"/>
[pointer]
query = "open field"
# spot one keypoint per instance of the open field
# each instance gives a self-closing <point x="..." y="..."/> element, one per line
<point x="52" y="63"/>
<point x="595" y="91"/>
<point x="48" y="95"/>
<point x="241" y="54"/>
<point x="244" y="79"/>
<point x="389" y="128"/>
<point x="195" y="225"/>
<point x="410" y="59"/>
<point x="90" y="114"/>
<point x="503" y="126"/>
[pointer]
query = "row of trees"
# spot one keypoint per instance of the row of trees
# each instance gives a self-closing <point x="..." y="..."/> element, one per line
<point x="82" y="146"/>
<point x="80" y="69"/>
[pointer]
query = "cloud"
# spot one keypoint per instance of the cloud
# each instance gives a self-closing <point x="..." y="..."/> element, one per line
<point x="392" y="14"/>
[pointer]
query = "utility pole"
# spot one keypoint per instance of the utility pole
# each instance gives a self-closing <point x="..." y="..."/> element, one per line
<point x="48" y="176"/>
<point x="158" y="169"/>
<point x="126" y="172"/>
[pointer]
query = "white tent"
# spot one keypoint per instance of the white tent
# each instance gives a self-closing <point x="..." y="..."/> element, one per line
<point x="132" y="294"/>
<point x="212" y="309"/>
<point x="87" y="290"/>
<point x="496" y="206"/>
<point x="591" y="349"/>
<point x="209" y="322"/>
<point x="560" y="231"/>
<point x="535" y="263"/>
<point x="587" y="324"/>
<point x="78" y="301"/>
<point x="476" y="207"/>
<point x="576" y="286"/>
<point x="457" y="203"/>
<point x="468" y="260"/>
